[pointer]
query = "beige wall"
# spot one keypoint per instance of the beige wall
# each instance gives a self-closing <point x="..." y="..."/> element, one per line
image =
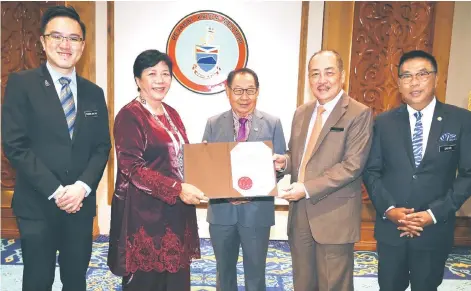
<point x="459" y="70"/>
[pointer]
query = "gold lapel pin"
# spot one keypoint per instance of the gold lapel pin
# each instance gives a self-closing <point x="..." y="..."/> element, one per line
<point x="439" y="118"/>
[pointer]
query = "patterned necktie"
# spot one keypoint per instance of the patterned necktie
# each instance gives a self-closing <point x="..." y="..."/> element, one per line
<point x="68" y="104"/>
<point x="316" y="130"/>
<point x="417" y="138"/>
<point x="242" y="130"/>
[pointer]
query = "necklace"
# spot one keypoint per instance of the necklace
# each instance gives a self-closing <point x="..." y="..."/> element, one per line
<point x="177" y="145"/>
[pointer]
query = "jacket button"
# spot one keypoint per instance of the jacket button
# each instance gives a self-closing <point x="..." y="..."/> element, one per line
<point x="414" y="177"/>
<point x="66" y="172"/>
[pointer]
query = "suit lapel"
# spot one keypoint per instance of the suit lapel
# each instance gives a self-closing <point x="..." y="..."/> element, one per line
<point x="79" y="107"/>
<point x="52" y="100"/>
<point x="226" y="131"/>
<point x="402" y="118"/>
<point x="256" y="127"/>
<point x="307" y="115"/>
<point x="435" y="131"/>
<point x="337" y="113"/>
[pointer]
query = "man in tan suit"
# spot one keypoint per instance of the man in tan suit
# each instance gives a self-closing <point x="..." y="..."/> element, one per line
<point x="329" y="144"/>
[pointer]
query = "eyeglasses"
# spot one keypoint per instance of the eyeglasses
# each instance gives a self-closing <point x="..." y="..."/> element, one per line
<point x="422" y="76"/>
<point x="240" y="91"/>
<point x="57" y="38"/>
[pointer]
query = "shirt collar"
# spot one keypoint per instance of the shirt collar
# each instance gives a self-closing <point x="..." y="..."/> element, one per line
<point x="329" y="106"/>
<point x="55" y="75"/>
<point x="428" y="110"/>
<point x="236" y="117"/>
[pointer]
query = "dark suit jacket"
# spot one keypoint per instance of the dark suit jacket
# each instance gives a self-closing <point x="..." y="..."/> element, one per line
<point x="260" y="211"/>
<point x="36" y="141"/>
<point x="392" y="179"/>
<point x="333" y="172"/>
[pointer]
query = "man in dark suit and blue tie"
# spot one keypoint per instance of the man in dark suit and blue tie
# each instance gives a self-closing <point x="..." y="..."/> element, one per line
<point x="242" y="222"/>
<point x="55" y="134"/>
<point x="418" y="175"/>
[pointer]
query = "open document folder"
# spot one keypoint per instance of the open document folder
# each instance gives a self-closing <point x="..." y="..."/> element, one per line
<point x="231" y="169"/>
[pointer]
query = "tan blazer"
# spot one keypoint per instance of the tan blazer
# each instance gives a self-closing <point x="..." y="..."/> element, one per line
<point x="333" y="173"/>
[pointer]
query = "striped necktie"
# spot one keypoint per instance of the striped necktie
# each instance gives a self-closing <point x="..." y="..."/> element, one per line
<point x="417" y="138"/>
<point x="68" y="104"/>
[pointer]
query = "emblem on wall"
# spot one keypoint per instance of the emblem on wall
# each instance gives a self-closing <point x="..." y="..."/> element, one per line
<point x="204" y="47"/>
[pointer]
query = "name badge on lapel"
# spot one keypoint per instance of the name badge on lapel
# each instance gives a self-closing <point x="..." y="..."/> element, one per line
<point x="447" y="148"/>
<point x="91" y="113"/>
<point x="337" y="129"/>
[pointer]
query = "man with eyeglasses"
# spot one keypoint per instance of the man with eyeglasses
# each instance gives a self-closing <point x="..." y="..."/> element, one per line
<point x="418" y="175"/>
<point x="55" y="135"/>
<point x="246" y="222"/>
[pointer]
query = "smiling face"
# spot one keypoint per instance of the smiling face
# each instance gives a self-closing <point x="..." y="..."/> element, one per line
<point x="155" y="82"/>
<point x="63" y="55"/>
<point x="419" y="91"/>
<point x="325" y="78"/>
<point x="243" y="104"/>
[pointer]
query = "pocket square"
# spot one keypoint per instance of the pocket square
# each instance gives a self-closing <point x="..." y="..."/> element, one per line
<point x="448" y="137"/>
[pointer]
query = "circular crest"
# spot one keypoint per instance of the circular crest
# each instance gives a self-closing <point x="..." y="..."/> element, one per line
<point x="204" y="47"/>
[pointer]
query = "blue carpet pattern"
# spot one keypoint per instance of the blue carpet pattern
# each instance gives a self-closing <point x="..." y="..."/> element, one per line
<point x="203" y="271"/>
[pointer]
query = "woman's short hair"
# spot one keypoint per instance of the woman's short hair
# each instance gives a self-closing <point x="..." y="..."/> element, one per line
<point x="148" y="59"/>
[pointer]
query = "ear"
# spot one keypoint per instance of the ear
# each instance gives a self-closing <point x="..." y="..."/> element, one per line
<point x="138" y="82"/>
<point x="43" y="42"/>
<point x="83" y="46"/>
<point x="342" y="78"/>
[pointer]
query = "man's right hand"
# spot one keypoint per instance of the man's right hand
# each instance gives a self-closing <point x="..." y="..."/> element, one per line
<point x="280" y="162"/>
<point x="191" y="194"/>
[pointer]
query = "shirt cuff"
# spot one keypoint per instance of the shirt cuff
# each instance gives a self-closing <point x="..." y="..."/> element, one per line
<point x="433" y="216"/>
<point x="307" y="194"/>
<point x="85" y="186"/>
<point x="384" y="214"/>
<point x="55" y="192"/>
<point x="283" y="169"/>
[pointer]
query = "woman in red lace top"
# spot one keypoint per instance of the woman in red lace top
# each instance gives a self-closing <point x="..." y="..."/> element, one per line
<point x="154" y="235"/>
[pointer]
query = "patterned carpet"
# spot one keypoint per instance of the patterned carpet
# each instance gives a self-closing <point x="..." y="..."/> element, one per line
<point x="203" y="272"/>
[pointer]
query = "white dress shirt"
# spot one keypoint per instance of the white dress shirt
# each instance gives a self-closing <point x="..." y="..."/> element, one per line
<point x="73" y="87"/>
<point x="329" y="107"/>
<point x="427" y="117"/>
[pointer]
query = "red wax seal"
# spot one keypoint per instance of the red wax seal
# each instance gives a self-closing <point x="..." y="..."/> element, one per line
<point x="245" y="183"/>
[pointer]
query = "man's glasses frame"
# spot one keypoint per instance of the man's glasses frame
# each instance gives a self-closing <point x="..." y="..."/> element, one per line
<point x="248" y="91"/>
<point x="58" y="38"/>
<point x="422" y="76"/>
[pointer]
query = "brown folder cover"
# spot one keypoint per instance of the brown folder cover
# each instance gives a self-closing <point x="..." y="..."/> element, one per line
<point x="208" y="167"/>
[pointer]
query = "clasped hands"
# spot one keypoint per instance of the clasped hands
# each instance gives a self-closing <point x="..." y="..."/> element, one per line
<point x="410" y="223"/>
<point x="70" y="198"/>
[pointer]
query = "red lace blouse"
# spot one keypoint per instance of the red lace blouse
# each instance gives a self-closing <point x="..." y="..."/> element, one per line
<point x="151" y="228"/>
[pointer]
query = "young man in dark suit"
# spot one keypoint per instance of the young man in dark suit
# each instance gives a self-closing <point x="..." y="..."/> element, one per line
<point x="418" y="175"/>
<point x="55" y="134"/>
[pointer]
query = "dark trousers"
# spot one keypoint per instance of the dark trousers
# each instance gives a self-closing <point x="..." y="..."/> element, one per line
<point x="398" y="266"/>
<point x="71" y="235"/>
<point x="226" y="241"/>
<point x="154" y="281"/>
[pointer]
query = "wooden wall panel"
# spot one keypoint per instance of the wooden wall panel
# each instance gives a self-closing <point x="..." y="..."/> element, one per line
<point x="337" y="32"/>
<point x="382" y="32"/>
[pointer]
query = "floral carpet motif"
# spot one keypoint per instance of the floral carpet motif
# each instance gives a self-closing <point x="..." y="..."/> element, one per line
<point x="203" y="271"/>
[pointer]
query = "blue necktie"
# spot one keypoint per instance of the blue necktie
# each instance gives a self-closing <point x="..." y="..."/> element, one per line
<point x="417" y="138"/>
<point x="68" y="104"/>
